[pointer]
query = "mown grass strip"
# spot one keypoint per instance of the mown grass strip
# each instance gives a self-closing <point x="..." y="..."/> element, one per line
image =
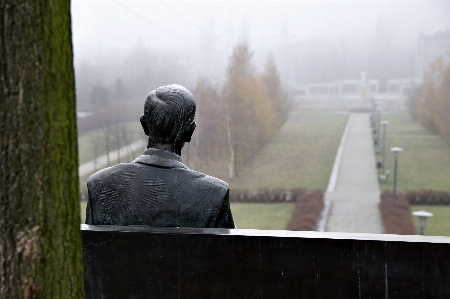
<point x="301" y="155"/>
<point x="439" y="224"/>
<point x="425" y="160"/>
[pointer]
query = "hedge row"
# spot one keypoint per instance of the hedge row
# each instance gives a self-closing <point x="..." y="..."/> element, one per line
<point x="265" y="195"/>
<point x="260" y="196"/>
<point x="307" y="211"/>
<point x="396" y="221"/>
<point x="428" y="197"/>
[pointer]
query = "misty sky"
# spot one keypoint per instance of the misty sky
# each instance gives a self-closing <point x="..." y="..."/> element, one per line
<point x="107" y="30"/>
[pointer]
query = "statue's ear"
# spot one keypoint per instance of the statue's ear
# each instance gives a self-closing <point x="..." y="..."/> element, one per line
<point x="144" y="124"/>
<point x="190" y="131"/>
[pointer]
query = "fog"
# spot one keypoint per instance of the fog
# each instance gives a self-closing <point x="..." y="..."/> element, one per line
<point x="158" y="42"/>
<point x="280" y="130"/>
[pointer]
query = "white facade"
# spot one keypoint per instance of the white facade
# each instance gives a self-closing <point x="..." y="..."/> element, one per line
<point x="342" y="87"/>
<point x="429" y="47"/>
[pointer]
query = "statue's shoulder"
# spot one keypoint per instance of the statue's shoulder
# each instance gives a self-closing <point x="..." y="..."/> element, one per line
<point x="208" y="181"/>
<point x="111" y="173"/>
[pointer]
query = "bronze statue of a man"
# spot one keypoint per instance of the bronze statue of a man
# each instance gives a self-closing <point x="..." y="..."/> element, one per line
<point x="157" y="189"/>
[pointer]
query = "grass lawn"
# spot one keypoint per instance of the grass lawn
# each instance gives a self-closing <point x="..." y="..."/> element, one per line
<point x="439" y="224"/>
<point x="83" y="211"/>
<point x="425" y="160"/>
<point x="262" y="215"/>
<point x="245" y="215"/>
<point x="300" y="155"/>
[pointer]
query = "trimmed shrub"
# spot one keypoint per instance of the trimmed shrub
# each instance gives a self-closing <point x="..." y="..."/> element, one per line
<point x="308" y="207"/>
<point x="428" y="197"/>
<point x="265" y="195"/>
<point x="396" y="221"/>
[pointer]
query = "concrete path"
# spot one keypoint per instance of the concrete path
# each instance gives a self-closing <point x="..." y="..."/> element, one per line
<point x="353" y="191"/>
<point x="102" y="161"/>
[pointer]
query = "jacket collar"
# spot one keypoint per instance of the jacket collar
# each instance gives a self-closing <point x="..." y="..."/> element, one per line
<point x="160" y="158"/>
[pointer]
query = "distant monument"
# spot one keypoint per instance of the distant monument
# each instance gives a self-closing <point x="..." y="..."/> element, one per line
<point x="157" y="189"/>
<point x="364" y="87"/>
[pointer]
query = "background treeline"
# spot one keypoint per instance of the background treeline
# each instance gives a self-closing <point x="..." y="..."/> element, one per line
<point x="266" y="195"/>
<point x="127" y="77"/>
<point x="109" y="115"/>
<point x="111" y="127"/>
<point x="433" y="109"/>
<point x="236" y="119"/>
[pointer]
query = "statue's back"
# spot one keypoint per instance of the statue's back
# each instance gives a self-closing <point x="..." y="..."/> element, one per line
<point x="157" y="190"/>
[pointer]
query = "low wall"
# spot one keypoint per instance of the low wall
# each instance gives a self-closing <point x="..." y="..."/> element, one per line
<point x="137" y="262"/>
<point x="387" y="102"/>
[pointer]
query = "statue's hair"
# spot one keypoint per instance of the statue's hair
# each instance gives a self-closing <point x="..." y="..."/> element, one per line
<point x="168" y="111"/>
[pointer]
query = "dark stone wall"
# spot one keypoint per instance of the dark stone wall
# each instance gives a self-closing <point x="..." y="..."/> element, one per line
<point x="136" y="262"/>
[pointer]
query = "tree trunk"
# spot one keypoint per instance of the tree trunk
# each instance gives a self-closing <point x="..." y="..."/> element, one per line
<point x="106" y="135"/>
<point x="196" y="144"/>
<point x="117" y="140"/>
<point x="95" y="154"/>
<point x="231" y="169"/>
<point x="40" y="252"/>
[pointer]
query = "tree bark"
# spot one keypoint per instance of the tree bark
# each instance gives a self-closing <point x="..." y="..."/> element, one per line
<point x="40" y="252"/>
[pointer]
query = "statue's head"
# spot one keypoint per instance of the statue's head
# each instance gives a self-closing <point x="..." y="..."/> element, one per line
<point x="169" y="116"/>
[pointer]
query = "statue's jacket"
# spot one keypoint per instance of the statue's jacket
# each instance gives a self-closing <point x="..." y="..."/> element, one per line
<point x="157" y="189"/>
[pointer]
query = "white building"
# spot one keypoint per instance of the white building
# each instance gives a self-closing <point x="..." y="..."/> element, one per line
<point x="341" y="87"/>
<point x="402" y="85"/>
<point x="429" y="47"/>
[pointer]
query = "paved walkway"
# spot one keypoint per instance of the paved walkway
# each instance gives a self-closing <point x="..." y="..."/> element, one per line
<point x="102" y="161"/>
<point x="354" y="191"/>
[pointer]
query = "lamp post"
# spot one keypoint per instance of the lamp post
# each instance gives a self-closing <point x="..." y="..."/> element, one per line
<point x="423" y="216"/>
<point x="396" y="151"/>
<point x="378" y="127"/>
<point x="373" y="113"/>
<point x="384" y="123"/>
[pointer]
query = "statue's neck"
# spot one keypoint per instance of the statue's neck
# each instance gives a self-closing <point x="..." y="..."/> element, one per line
<point x="165" y="146"/>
